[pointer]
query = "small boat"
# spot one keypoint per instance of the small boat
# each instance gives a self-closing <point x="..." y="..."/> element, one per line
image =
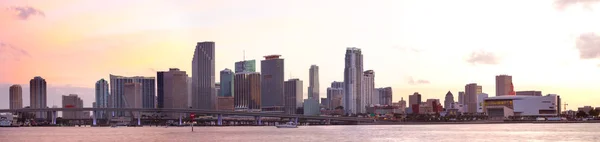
<point x="287" y="125"/>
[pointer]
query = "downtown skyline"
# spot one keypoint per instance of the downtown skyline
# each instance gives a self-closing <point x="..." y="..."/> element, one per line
<point x="431" y="69"/>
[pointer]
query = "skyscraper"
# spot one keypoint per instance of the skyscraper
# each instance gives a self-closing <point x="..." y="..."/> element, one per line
<point x="72" y="101"/>
<point x="385" y="95"/>
<point x="337" y="84"/>
<point x="226" y="83"/>
<point x="414" y="99"/>
<point x="334" y="97"/>
<point x="248" y="91"/>
<point x="504" y="85"/>
<point x="402" y="104"/>
<point x="101" y="98"/>
<point x="272" y="69"/>
<point x="313" y="82"/>
<point x="368" y="90"/>
<point x="37" y="95"/>
<point x="203" y="76"/>
<point x="352" y="80"/>
<point x="448" y="100"/>
<point x="15" y="97"/>
<point x="172" y="89"/>
<point x="293" y="95"/>
<point x="461" y="97"/>
<point x="245" y="66"/>
<point x="471" y="91"/>
<point x="147" y="91"/>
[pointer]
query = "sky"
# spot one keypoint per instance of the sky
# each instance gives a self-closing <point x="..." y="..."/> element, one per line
<point x="430" y="47"/>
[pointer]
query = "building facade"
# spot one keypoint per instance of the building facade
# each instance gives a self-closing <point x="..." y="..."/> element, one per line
<point x="226" y="83"/>
<point x="529" y="93"/>
<point x="37" y="96"/>
<point x="245" y="66"/>
<point x="334" y="97"/>
<point x="448" y="100"/>
<point x="368" y="90"/>
<point x="225" y="103"/>
<point x="461" y="97"/>
<point x="293" y="95"/>
<point x="471" y="91"/>
<point x="15" y="97"/>
<point x="272" y="78"/>
<point x="480" y="100"/>
<point x="313" y="82"/>
<point x="504" y="85"/>
<point x="414" y="99"/>
<point x="353" y="71"/>
<point x="132" y="94"/>
<point x="203" y="76"/>
<point x="172" y="89"/>
<point x="102" y="94"/>
<point x="525" y="106"/>
<point x="117" y="91"/>
<point x="72" y="101"/>
<point x="337" y="84"/>
<point x="311" y="107"/>
<point x="385" y="95"/>
<point x="248" y="91"/>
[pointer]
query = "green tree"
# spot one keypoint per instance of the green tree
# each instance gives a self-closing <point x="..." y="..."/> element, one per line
<point x="594" y="113"/>
<point x="581" y="114"/>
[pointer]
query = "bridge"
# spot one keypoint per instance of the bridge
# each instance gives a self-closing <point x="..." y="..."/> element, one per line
<point x="219" y="113"/>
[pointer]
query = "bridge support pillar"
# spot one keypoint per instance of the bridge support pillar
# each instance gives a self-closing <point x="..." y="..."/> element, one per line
<point x="94" y="119"/>
<point x="139" y="118"/>
<point x="258" y="120"/>
<point x="296" y="120"/>
<point x="180" y="119"/>
<point x="219" y="119"/>
<point x="54" y="117"/>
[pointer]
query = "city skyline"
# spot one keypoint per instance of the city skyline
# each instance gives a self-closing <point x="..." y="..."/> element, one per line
<point x="415" y="70"/>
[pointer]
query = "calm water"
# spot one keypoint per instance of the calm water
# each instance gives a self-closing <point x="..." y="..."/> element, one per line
<point x="466" y="132"/>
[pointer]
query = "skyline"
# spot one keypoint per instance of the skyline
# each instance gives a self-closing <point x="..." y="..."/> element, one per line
<point x="408" y="52"/>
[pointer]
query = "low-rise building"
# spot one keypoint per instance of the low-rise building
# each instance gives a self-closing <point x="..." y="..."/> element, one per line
<point x="525" y="106"/>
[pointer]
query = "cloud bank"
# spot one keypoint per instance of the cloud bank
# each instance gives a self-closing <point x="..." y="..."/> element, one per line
<point x="588" y="45"/>
<point x="483" y="57"/>
<point x="25" y="12"/>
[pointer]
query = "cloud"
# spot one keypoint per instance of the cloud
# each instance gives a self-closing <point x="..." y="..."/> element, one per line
<point x="483" y="57"/>
<point x="8" y="51"/>
<point x="411" y="81"/>
<point x="26" y="11"/>
<point x="562" y="4"/>
<point x="588" y="45"/>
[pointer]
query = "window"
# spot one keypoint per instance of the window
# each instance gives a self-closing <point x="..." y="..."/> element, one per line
<point x="546" y="102"/>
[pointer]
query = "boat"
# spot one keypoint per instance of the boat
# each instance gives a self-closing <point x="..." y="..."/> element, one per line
<point x="287" y="125"/>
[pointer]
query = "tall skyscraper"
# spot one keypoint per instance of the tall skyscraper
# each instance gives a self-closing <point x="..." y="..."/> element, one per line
<point x="172" y="89"/>
<point x="147" y="91"/>
<point x="504" y="85"/>
<point x="101" y="98"/>
<point x="448" y="100"/>
<point x="368" y="90"/>
<point x="15" y="97"/>
<point x="461" y="97"/>
<point x="272" y="69"/>
<point x="248" y="91"/>
<point x="203" y="76"/>
<point x="385" y="95"/>
<point x="245" y="66"/>
<point x="37" y="96"/>
<point x="293" y="95"/>
<point x="471" y="91"/>
<point x="226" y="83"/>
<point x="353" y="71"/>
<point x="414" y="99"/>
<point x="334" y="97"/>
<point x="313" y="82"/>
<point x="72" y="101"/>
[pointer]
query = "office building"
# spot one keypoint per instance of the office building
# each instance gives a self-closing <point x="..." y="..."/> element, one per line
<point x="146" y="86"/>
<point x="353" y="71"/>
<point x="272" y="78"/>
<point x="225" y="103"/>
<point x="102" y="95"/>
<point x="15" y="97"/>
<point x="37" y="96"/>
<point x="313" y="82"/>
<point x="247" y="88"/>
<point x="293" y="95"/>
<point x="385" y="95"/>
<point x="504" y="85"/>
<point x="72" y="101"/>
<point x="311" y="107"/>
<point x="448" y="100"/>
<point x="203" y="76"/>
<point x="368" y="90"/>
<point x="414" y="99"/>
<point x="461" y="97"/>
<point x="172" y="89"/>
<point x="471" y="91"/>
<point x="226" y="76"/>
<point x="334" y="97"/>
<point x="245" y="66"/>
<point x="529" y="93"/>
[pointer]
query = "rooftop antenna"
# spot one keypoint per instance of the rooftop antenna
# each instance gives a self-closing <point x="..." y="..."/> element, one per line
<point x="244" y="55"/>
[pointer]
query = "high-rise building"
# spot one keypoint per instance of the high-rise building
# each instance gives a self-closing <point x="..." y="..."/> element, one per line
<point x="385" y="95"/>
<point x="72" y="101"/>
<point x="37" y="95"/>
<point x="461" y="97"/>
<point x="172" y="89"/>
<point x="414" y="99"/>
<point x="101" y="98"/>
<point x="218" y="89"/>
<point x="272" y="69"/>
<point x="147" y="89"/>
<point x="15" y="97"/>
<point x="245" y="66"/>
<point x="313" y="82"/>
<point x="471" y="91"/>
<point x="203" y="76"/>
<point x="189" y="91"/>
<point x="248" y="91"/>
<point x="293" y="95"/>
<point x="337" y="84"/>
<point x="226" y="83"/>
<point x="368" y="90"/>
<point x="448" y="100"/>
<point x="504" y="85"/>
<point x="402" y="104"/>
<point x="529" y="93"/>
<point x="334" y="97"/>
<point x="353" y="71"/>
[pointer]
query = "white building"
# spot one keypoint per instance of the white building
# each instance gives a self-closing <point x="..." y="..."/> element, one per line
<point x="505" y="106"/>
<point x="368" y="90"/>
<point x="480" y="98"/>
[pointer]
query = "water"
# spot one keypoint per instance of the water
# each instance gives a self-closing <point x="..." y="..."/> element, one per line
<point x="464" y="132"/>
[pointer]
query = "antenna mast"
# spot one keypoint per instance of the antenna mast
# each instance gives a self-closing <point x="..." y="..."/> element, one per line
<point x="244" y="55"/>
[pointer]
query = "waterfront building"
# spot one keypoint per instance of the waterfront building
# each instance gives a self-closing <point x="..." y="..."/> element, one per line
<point x="353" y="71"/>
<point x="226" y="84"/>
<point x="293" y="95"/>
<point x="15" y="97"/>
<point x="272" y="78"/>
<point x="529" y="93"/>
<point x="37" y="96"/>
<point x="102" y="97"/>
<point x="385" y="95"/>
<point x="72" y="101"/>
<point x="501" y="107"/>
<point x="448" y="100"/>
<point x="471" y="91"/>
<point x="146" y="86"/>
<point x="480" y="98"/>
<point x="245" y="66"/>
<point x="504" y="85"/>
<point x="311" y="107"/>
<point x="414" y="99"/>
<point x="368" y="90"/>
<point x="248" y="91"/>
<point x="313" y="82"/>
<point x="203" y="76"/>
<point x="334" y="97"/>
<point x="172" y="89"/>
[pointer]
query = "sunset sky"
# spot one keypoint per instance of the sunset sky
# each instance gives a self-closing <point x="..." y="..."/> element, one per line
<point x="425" y="46"/>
